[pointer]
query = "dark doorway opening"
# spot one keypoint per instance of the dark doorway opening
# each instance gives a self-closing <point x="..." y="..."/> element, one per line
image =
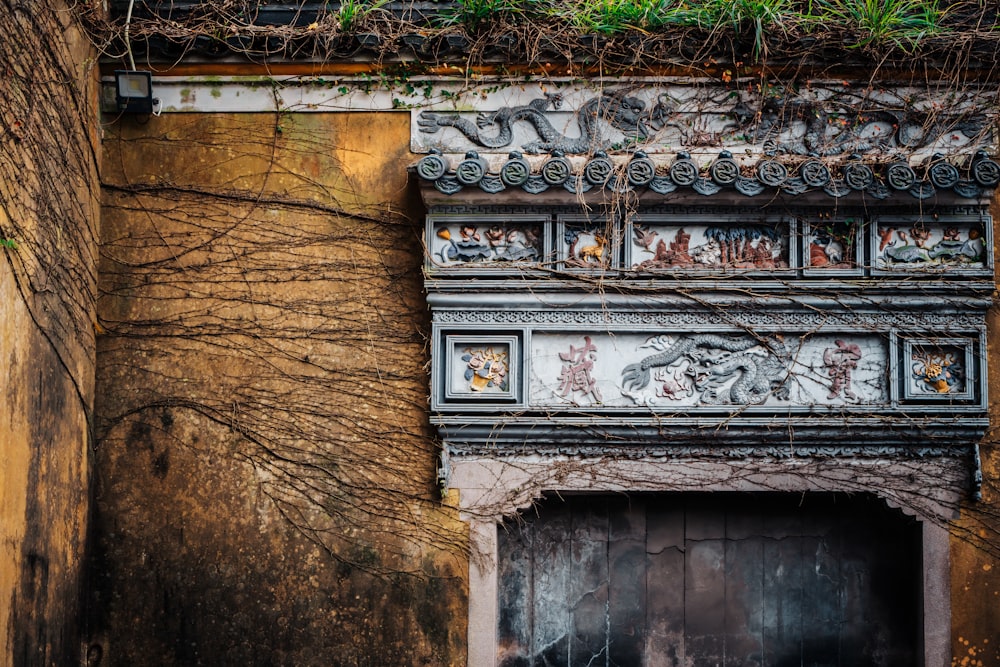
<point x="713" y="579"/>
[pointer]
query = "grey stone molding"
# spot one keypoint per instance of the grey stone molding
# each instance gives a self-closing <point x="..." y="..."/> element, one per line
<point x="567" y="333"/>
<point x="885" y="180"/>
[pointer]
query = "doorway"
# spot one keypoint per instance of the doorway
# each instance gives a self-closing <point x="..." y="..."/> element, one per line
<point x="713" y="579"/>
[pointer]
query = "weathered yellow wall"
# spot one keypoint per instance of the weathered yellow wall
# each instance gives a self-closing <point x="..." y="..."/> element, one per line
<point x="975" y="553"/>
<point x="49" y="207"/>
<point x="265" y="468"/>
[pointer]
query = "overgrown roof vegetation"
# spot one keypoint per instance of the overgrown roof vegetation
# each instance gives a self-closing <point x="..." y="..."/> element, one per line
<point x="626" y="32"/>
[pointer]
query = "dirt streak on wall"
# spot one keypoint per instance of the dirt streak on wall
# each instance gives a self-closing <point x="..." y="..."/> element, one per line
<point x="266" y="471"/>
<point x="49" y="207"/>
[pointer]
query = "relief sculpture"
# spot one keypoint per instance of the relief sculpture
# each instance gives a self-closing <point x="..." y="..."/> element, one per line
<point x="721" y="370"/>
<point x="587" y="248"/>
<point x="576" y="375"/>
<point x="938" y="371"/>
<point x="736" y="247"/>
<point x="486" y="368"/>
<point x="832" y="245"/>
<point x="495" y="129"/>
<point x="839" y="362"/>
<point x="931" y="246"/>
<point x="497" y="243"/>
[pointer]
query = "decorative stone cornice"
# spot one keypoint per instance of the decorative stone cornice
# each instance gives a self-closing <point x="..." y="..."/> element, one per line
<point x="973" y="179"/>
<point x="697" y="139"/>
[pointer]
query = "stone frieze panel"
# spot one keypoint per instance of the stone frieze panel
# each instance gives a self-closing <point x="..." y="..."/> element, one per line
<point x="711" y="370"/>
<point x="487" y="242"/>
<point x="822" y="119"/>
<point x="943" y="244"/>
<point x="709" y="244"/>
<point x="821" y="246"/>
<point x="708" y="370"/>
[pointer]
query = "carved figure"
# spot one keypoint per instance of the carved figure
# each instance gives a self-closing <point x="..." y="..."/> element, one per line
<point x="839" y="362"/>
<point x="939" y="372"/>
<point x="906" y="253"/>
<point x="844" y="128"/>
<point x="468" y="249"/>
<point x="952" y="247"/>
<point x="921" y="235"/>
<point x="495" y="236"/>
<point x="709" y="254"/>
<point x="826" y="252"/>
<point x="621" y="111"/>
<point x="485" y="368"/>
<point x="594" y="252"/>
<point x="711" y="362"/>
<point x="674" y="387"/>
<point x="885" y="237"/>
<point x="589" y="255"/>
<point x="643" y="237"/>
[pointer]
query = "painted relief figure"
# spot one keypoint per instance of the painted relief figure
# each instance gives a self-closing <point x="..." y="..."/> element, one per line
<point x="486" y="368"/>
<point x="937" y="371"/>
<point x="839" y="361"/>
<point x="587" y="248"/>
<point x="748" y="247"/>
<point x="931" y="246"/>
<point x="832" y="245"/>
<point x="577" y="371"/>
<point x="497" y="243"/>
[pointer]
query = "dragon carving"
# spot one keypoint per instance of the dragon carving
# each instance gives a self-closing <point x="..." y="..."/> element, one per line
<point x="710" y="362"/>
<point x="495" y="129"/>
<point x="844" y="130"/>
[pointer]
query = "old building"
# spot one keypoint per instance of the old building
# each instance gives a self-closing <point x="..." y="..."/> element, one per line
<point x="450" y="333"/>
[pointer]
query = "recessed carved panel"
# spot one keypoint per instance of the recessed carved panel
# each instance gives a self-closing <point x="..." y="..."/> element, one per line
<point x="500" y="242"/>
<point x="939" y="370"/>
<point x="833" y="246"/>
<point x="481" y="369"/>
<point x="944" y="244"/>
<point x="731" y="371"/>
<point x="699" y="243"/>
<point x="587" y="243"/>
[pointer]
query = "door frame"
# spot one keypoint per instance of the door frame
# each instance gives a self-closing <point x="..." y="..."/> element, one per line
<point x="491" y="489"/>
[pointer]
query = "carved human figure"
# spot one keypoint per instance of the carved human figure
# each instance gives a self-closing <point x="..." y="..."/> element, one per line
<point x="839" y="362"/>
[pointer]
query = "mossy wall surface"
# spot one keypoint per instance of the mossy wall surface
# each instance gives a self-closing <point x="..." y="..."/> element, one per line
<point x="265" y="468"/>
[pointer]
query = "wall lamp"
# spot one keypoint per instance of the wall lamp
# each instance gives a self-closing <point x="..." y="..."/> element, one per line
<point x="134" y="91"/>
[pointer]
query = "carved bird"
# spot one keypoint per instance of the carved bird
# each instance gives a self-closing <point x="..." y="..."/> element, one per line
<point x="644" y="237"/>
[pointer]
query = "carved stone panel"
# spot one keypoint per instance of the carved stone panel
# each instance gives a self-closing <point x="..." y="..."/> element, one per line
<point x="940" y="370"/>
<point x="942" y="244"/>
<point x="586" y="243"/>
<point x="492" y="243"/>
<point x="833" y="246"/>
<point x="481" y="369"/>
<point x="731" y="371"/>
<point x="708" y="243"/>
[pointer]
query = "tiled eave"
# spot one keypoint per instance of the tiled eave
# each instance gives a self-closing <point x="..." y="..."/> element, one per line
<point x="959" y="180"/>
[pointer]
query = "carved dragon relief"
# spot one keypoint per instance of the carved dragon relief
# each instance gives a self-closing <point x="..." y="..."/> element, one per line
<point x="495" y="130"/>
<point x="721" y="370"/>
<point x="779" y="124"/>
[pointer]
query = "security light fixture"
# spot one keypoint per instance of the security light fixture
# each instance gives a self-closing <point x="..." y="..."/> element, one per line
<point x="134" y="91"/>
